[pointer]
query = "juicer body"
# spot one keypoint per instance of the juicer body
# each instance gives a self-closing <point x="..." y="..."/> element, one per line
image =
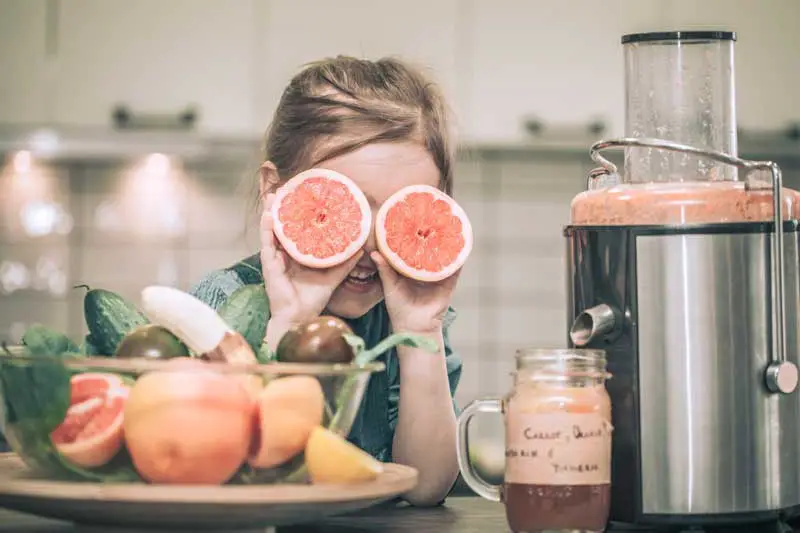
<point x="698" y="437"/>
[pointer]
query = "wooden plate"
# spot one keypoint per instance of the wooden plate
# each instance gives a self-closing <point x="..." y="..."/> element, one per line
<point x="218" y="507"/>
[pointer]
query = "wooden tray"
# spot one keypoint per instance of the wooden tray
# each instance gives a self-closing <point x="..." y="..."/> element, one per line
<point x="217" y="507"/>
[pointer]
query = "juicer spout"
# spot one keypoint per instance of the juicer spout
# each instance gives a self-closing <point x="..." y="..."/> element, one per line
<point x="592" y="323"/>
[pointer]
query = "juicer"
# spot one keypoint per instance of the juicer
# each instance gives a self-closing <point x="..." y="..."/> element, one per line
<point x="684" y="268"/>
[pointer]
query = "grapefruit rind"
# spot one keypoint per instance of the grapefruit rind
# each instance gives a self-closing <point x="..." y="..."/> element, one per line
<point x="291" y="247"/>
<point x="402" y="266"/>
<point x="98" y="449"/>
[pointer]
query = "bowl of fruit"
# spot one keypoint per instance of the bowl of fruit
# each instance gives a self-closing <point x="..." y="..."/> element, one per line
<point x="171" y="392"/>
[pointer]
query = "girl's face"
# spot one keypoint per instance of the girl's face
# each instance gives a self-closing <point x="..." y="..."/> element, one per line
<point x="379" y="170"/>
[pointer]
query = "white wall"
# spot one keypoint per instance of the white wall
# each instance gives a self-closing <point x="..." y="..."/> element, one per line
<point x="499" y="60"/>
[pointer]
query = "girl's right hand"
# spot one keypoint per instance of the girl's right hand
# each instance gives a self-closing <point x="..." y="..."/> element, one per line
<point x="296" y="293"/>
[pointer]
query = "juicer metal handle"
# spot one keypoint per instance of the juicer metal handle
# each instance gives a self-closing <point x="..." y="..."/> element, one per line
<point x="781" y="375"/>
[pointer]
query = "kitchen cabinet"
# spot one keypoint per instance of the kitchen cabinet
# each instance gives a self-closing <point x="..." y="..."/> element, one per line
<point x="299" y="31"/>
<point x="159" y="58"/>
<point x="560" y="62"/>
<point x="23" y="62"/>
<point x="766" y="54"/>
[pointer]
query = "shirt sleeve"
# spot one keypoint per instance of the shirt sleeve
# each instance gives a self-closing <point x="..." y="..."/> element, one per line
<point x="452" y="360"/>
<point x="216" y="287"/>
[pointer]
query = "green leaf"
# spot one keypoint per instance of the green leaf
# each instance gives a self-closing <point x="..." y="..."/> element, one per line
<point x="43" y="340"/>
<point x="36" y="394"/>
<point x="37" y="390"/>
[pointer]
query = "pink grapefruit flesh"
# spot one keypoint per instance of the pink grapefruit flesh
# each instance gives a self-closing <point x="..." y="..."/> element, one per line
<point x="423" y="233"/>
<point x="91" y="433"/>
<point x="321" y="218"/>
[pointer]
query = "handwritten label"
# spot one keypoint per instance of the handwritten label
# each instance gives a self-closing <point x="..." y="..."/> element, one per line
<point x="558" y="449"/>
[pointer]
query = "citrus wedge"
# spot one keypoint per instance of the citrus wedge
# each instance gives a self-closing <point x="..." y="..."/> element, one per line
<point x="332" y="459"/>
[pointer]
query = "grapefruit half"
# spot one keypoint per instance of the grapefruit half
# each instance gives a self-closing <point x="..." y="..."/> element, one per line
<point x="91" y="433"/>
<point x="423" y="233"/>
<point x="321" y="218"/>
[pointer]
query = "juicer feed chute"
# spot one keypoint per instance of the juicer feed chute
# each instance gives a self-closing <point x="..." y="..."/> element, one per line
<point x="685" y="268"/>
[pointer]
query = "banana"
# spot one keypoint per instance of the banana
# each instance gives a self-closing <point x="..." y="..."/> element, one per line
<point x="196" y="324"/>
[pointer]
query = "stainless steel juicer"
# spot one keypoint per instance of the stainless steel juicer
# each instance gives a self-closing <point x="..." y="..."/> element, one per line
<point x="684" y="268"/>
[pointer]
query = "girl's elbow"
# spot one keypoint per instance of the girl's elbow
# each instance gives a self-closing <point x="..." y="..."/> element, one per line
<point x="430" y="493"/>
<point x="418" y="498"/>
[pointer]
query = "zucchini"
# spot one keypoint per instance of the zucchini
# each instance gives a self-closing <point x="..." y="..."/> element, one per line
<point x="109" y="318"/>
<point x="246" y="311"/>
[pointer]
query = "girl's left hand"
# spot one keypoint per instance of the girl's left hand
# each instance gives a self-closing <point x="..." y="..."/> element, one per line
<point x="414" y="306"/>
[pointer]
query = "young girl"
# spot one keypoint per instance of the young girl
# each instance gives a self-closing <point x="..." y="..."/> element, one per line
<point x="384" y="125"/>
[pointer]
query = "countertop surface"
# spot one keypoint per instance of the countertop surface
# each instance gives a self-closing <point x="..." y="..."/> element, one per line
<point x="467" y="514"/>
<point x="463" y="514"/>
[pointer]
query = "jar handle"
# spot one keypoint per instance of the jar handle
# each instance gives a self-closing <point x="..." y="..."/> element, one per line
<point x="471" y="477"/>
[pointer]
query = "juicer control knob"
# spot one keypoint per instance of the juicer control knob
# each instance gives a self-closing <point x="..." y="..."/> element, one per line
<point x="782" y="377"/>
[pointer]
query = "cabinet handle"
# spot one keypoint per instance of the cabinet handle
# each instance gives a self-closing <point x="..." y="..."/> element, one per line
<point x="125" y="119"/>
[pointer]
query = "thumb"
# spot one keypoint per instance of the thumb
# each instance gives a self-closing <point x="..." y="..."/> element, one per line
<point x="387" y="273"/>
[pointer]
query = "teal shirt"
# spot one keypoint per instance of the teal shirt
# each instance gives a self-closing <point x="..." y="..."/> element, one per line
<point x="375" y="423"/>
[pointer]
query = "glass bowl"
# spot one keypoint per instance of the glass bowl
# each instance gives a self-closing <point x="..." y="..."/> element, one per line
<point x="176" y="421"/>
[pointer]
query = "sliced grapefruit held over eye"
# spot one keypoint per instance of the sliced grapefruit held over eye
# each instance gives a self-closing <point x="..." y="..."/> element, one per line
<point x="321" y="218"/>
<point x="423" y="233"/>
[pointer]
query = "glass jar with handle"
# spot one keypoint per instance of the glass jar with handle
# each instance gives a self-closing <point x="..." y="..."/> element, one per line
<point x="557" y="440"/>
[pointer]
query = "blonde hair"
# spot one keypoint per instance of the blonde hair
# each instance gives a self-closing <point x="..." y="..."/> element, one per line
<point x="337" y="105"/>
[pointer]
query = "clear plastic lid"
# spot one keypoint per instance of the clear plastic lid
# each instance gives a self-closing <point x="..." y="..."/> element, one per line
<point x="679" y="86"/>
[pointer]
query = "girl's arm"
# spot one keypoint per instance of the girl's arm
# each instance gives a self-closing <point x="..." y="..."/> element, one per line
<point x="425" y="432"/>
<point x="424" y="420"/>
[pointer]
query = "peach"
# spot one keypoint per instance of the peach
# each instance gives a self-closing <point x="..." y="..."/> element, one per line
<point x="188" y="426"/>
<point x="289" y="409"/>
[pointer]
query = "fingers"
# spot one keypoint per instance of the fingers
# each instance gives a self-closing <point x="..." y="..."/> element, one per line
<point x="385" y="271"/>
<point x="451" y="281"/>
<point x="269" y="199"/>
<point x="272" y="260"/>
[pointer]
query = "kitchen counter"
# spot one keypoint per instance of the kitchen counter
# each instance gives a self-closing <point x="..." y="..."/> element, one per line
<point x="463" y="514"/>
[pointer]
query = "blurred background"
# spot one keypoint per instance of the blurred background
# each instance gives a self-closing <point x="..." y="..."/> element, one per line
<point x="130" y="135"/>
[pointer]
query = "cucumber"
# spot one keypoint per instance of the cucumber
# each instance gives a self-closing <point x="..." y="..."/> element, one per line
<point x="89" y="346"/>
<point x="246" y="311"/>
<point x="43" y="340"/>
<point x="109" y="318"/>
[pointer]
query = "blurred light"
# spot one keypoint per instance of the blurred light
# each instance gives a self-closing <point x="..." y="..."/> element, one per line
<point x="13" y="276"/>
<point x="153" y="196"/>
<point x="39" y="218"/>
<point x="157" y="165"/>
<point x="65" y="222"/>
<point x="51" y="277"/>
<point x="44" y="142"/>
<point x="22" y="162"/>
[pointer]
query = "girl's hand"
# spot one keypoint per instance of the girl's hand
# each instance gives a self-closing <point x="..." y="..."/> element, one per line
<point x="414" y="306"/>
<point x="296" y="293"/>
